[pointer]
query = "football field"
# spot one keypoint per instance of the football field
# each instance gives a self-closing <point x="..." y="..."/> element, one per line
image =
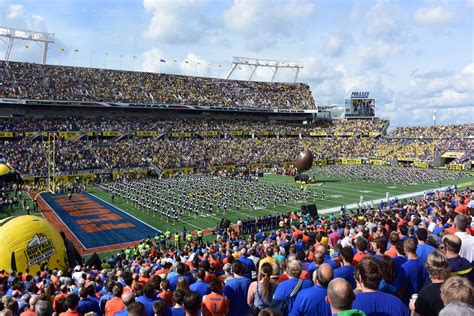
<point x="337" y="191"/>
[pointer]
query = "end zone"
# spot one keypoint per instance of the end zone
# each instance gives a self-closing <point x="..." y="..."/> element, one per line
<point x="93" y="225"/>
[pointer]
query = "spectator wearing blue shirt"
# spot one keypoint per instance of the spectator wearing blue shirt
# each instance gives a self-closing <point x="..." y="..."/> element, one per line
<point x="178" y="299"/>
<point x="414" y="269"/>
<point x="285" y="288"/>
<point x="147" y="299"/>
<point x="346" y="255"/>
<point x="109" y="285"/>
<point x="127" y="299"/>
<point x="340" y="296"/>
<point x="313" y="266"/>
<point x="312" y="301"/>
<point x="180" y="272"/>
<point x="380" y="246"/>
<point x="236" y="290"/>
<point x="200" y="286"/>
<point x="423" y="250"/>
<point x="451" y="246"/>
<point x="249" y="264"/>
<point x="370" y="300"/>
<point x="86" y="304"/>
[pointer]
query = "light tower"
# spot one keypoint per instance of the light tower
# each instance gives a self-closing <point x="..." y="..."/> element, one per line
<point x="434" y="117"/>
<point x="9" y="35"/>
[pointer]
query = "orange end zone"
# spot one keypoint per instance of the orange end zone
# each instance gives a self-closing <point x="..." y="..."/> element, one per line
<point x="51" y="216"/>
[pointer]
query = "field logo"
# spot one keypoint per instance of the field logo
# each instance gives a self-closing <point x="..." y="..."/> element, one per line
<point x="39" y="249"/>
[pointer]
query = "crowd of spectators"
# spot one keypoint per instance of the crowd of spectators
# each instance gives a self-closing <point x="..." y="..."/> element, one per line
<point x="368" y="262"/>
<point x="130" y="124"/>
<point x="440" y="131"/>
<point x="49" y="82"/>
<point x="30" y="157"/>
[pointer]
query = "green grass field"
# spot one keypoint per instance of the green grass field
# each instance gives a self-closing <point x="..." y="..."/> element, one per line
<point x="337" y="190"/>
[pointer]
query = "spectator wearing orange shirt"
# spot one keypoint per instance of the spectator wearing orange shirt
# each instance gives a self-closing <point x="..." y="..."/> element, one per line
<point x="165" y="293"/>
<point x="61" y="296"/>
<point x="214" y="304"/>
<point x="361" y="245"/>
<point x="115" y="304"/>
<point x="394" y="238"/>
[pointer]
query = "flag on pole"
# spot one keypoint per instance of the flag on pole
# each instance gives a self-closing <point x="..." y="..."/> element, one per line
<point x="175" y="61"/>
<point x="134" y="57"/>
<point x="26" y="46"/>
<point x="121" y="55"/>
<point x="76" y="50"/>
<point x="198" y="63"/>
<point x="186" y="62"/>
<point x="106" y="54"/>
<point x="62" y="50"/>
<point x="219" y="66"/>
<point x="162" y="60"/>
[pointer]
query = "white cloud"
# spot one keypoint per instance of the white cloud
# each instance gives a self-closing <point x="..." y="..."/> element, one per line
<point x="178" y="22"/>
<point x="451" y="95"/>
<point x="195" y="65"/>
<point x="470" y="4"/>
<point x="434" y="15"/>
<point x="469" y="69"/>
<point x="262" y="22"/>
<point x="334" y="46"/>
<point x="14" y="11"/>
<point x="375" y="55"/>
<point x="151" y="60"/>
<point x="383" y="21"/>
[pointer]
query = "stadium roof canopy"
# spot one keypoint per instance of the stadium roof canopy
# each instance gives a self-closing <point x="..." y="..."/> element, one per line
<point x="275" y="65"/>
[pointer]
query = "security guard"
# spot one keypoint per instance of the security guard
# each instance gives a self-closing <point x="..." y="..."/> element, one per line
<point x="199" y="237"/>
<point x="176" y="239"/>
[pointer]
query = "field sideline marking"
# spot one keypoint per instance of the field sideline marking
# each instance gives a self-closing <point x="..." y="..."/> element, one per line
<point x="403" y="196"/>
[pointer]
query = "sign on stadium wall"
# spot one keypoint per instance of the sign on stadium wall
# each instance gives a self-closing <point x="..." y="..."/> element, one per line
<point x="209" y="133"/>
<point x="421" y="164"/>
<point x="456" y="166"/>
<point x="351" y="161"/>
<point x="145" y="133"/>
<point x="6" y="134"/>
<point x="318" y="134"/>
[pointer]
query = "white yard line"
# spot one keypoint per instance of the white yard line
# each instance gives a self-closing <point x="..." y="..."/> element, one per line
<point x="403" y="196"/>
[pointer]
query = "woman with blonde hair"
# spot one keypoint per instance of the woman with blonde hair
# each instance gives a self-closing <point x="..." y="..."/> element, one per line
<point x="457" y="289"/>
<point x="429" y="300"/>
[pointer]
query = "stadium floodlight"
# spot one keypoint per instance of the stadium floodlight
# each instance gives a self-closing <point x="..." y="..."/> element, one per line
<point x="275" y="65"/>
<point x="12" y="34"/>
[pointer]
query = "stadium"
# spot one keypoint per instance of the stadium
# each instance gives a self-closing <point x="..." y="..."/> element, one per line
<point x="153" y="193"/>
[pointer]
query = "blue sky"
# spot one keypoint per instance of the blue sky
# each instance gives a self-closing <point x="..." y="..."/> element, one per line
<point x="413" y="56"/>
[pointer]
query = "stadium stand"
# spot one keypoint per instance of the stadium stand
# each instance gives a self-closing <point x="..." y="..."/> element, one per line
<point x="48" y="82"/>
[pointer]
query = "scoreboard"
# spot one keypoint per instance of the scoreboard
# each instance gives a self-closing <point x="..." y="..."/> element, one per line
<point x="359" y="105"/>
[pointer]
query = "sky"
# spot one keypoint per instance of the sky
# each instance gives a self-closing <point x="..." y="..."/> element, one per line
<point x="413" y="56"/>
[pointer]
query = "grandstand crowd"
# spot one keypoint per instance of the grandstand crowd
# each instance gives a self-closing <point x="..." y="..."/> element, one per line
<point x="281" y="143"/>
<point x="365" y="263"/>
<point x="49" y="82"/>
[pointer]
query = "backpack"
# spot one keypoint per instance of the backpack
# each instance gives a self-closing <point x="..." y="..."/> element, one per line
<point x="282" y="304"/>
<point x="254" y="309"/>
